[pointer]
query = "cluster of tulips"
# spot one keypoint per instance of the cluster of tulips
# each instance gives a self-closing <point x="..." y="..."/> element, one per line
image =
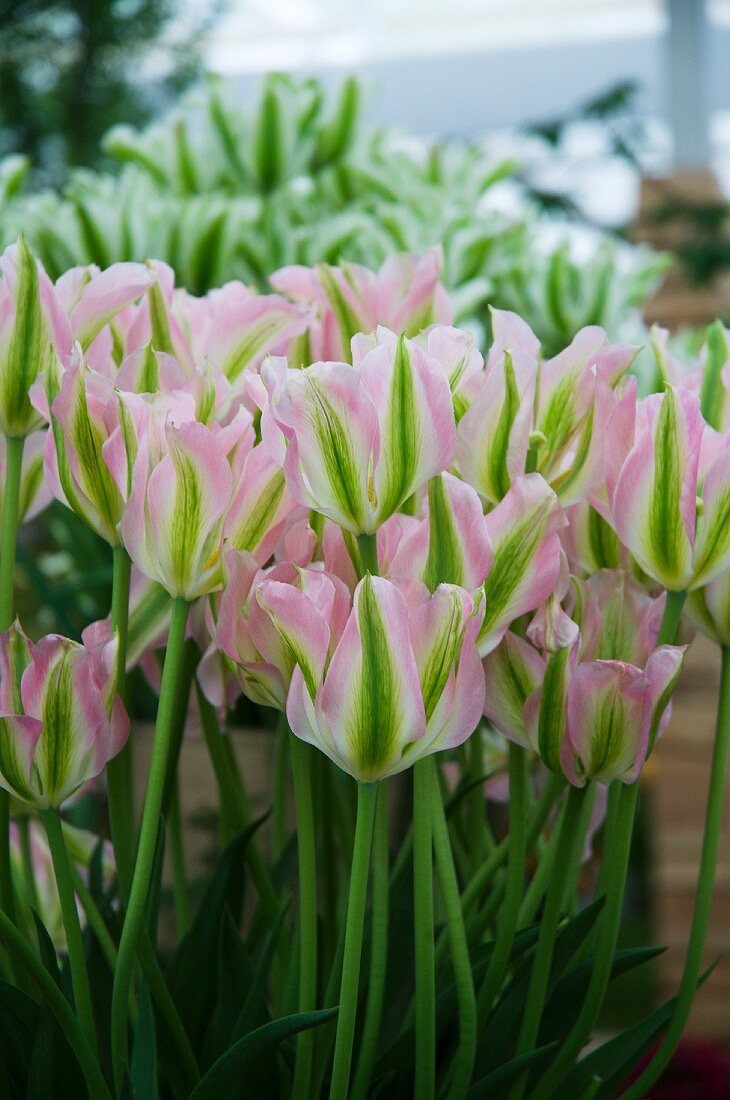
<point x="422" y="558"/>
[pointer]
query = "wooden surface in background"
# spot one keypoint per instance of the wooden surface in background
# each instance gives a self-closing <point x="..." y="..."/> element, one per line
<point x="677" y="780"/>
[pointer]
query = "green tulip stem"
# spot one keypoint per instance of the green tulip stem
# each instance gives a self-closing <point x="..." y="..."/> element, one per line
<point x="367" y="797"/>
<point x="8" y="536"/>
<point x="74" y="940"/>
<point x="301" y="756"/>
<point x="11" y="519"/>
<point x="616" y="865"/>
<point x="515" y="881"/>
<point x="54" y="998"/>
<point x="134" y="917"/>
<point x="425" y="1004"/>
<point x="567" y="854"/>
<point x="378" y="950"/>
<point x="120" y="770"/>
<point x="466" y="1051"/>
<point x="703" y="897"/>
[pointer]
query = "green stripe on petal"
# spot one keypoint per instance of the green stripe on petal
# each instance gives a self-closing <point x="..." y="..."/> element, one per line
<point x="714" y="541"/>
<point x="512" y="556"/>
<point x="553" y="702"/>
<point x="667" y="537"/>
<point x="258" y="335"/>
<point x="442" y="657"/>
<point x="341" y="467"/>
<point x="444" y="564"/>
<point x="187" y="520"/>
<point x="605" y="548"/>
<point x="348" y="321"/>
<point x="258" y="520"/>
<point x="400" y="451"/>
<point x="87" y="440"/>
<point x="13" y="766"/>
<point x="496" y="459"/>
<point x="159" y="319"/>
<point x="374" y="726"/>
<point x="712" y="393"/>
<point x="146" y="620"/>
<point x="56" y="746"/>
<point x="606" y="740"/>
<point x="28" y="347"/>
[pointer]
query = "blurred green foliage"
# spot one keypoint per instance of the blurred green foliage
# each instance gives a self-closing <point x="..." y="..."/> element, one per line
<point x="71" y="69"/>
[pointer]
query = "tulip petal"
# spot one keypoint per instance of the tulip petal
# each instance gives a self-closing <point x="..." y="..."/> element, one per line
<point x="526" y="547"/>
<point x="371" y="699"/>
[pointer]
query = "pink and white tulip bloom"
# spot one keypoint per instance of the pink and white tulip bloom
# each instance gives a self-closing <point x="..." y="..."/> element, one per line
<point x="615" y="714"/>
<point x="61" y="720"/>
<point x="668" y="488"/>
<point x="34" y="333"/>
<point x="84" y="415"/>
<point x="594" y="708"/>
<point x="184" y="504"/>
<point x="405" y="680"/>
<point x="405" y="295"/>
<point x="273" y="620"/>
<point x="544" y="415"/>
<point x="361" y="441"/>
<point x="512" y="554"/>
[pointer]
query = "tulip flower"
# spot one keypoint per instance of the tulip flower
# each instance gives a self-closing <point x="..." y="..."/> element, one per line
<point x="60" y="718"/>
<point x="661" y="459"/>
<point x="405" y="680"/>
<point x="361" y="441"/>
<point x="615" y="714"/>
<point x="593" y="708"/>
<point x="269" y="621"/>
<point x="84" y="414"/>
<point x="35" y="493"/>
<point x="34" y="332"/>
<point x="547" y="415"/>
<point x="405" y="295"/>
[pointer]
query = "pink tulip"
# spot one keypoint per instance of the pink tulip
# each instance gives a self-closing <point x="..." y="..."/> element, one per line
<point x="544" y="415"/>
<point x="361" y="441"/>
<point x="34" y="333"/>
<point x="60" y="718"/>
<point x="269" y="621"/>
<point x="660" y="459"/>
<point x="405" y="296"/>
<point x="594" y="707"/>
<point x="404" y="680"/>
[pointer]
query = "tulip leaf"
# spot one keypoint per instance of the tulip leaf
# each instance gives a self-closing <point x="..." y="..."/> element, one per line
<point x="227" y="1076"/>
<point x="18" y="1026"/>
<point x="193" y="974"/>
<point x="496" y="1082"/>
<point x="143" y="1069"/>
<point x="503" y="1026"/>
<point x="614" y="1060"/>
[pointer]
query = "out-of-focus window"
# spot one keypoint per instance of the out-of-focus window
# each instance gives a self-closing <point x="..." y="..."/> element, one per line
<point x="264" y="34"/>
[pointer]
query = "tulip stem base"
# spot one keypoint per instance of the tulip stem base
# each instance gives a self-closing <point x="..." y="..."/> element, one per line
<point x="703" y="898"/>
<point x="54" y="998"/>
<point x="614" y="882"/>
<point x="567" y="853"/>
<point x="8" y="536"/>
<point x="367" y="796"/>
<point x="515" y="881"/>
<point x="134" y="918"/>
<point x="120" y="770"/>
<point x="466" y="1051"/>
<point x="378" y="949"/>
<point x="74" y="939"/>
<point x="301" y="755"/>
<point x="425" y="1005"/>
